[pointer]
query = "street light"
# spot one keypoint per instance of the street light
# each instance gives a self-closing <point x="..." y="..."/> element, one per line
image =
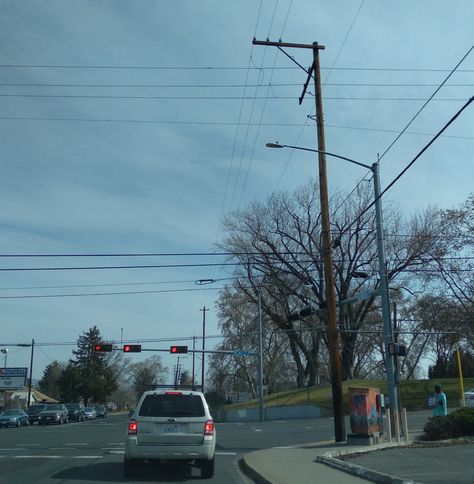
<point x="5" y="352"/>
<point x="388" y="332"/>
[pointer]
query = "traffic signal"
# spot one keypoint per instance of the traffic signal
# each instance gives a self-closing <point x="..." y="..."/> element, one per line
<point x="132" y="348"/>
<point x="178" y="349"/>
<point x="103" y="347"/>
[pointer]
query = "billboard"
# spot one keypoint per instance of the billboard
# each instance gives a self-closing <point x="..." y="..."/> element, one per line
<point x="13" y="378"/>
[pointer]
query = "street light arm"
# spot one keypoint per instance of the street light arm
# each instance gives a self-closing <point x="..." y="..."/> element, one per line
<point x="350" y="160"/>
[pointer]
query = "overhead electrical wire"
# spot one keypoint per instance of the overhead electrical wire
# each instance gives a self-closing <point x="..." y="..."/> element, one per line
<point x="399" y="135"/>
<point x="117" y="293"/>
<point x="431" y="98"/>
<point x="211" y="68"/>
<point x="216" y="123"/>
<point x="412" y="162"/>
<point x="226" y="86"/>
<point x="216" y="98"/>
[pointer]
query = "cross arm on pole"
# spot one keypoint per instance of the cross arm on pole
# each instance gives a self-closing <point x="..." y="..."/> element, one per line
<point x="287" y="44"/>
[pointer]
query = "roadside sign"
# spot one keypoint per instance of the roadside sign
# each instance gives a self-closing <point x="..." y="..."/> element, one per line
<point x="13" y="378"/>
<point x="241" y="353"/>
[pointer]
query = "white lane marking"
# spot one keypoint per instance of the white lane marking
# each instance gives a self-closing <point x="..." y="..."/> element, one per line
<point x="28" y="445"/>
<point x="226" y="453"/>
<point x="16" y="448"/>
<point x="115" y="443"/>
<point x="117" y="451"/>
<point x="79" y="443"/>
<point x="257" y="430"/>
<point x="112" y="448"/>
<point x="308" y="427"/>
<point x="51" y="457"/>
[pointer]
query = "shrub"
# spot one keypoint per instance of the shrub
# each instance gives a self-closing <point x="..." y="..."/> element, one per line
<point x="457" y="424"/>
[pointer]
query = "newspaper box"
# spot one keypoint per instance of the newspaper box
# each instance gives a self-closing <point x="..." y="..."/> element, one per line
<point x="365" y="412"/>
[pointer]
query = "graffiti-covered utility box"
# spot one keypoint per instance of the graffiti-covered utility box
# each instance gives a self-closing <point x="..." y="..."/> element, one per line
<point x="365" y="411"/>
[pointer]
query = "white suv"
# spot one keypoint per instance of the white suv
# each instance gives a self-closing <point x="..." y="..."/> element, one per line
<point x="171" y="425"/>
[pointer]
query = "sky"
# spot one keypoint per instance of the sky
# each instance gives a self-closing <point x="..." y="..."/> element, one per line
<point x="134" y="127"/>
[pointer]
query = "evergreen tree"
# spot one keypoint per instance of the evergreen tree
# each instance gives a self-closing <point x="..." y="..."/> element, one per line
<point x="49" y="384"/>
<point x="89" y="375"/>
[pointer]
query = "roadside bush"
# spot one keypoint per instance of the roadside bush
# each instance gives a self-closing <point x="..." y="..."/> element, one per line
<point x="457" y="424"/>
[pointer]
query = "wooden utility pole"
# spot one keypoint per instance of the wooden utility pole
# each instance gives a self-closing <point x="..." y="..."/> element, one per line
<point x="333" y="335"/>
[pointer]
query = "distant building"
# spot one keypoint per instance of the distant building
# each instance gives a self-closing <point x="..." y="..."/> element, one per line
<point x="18" y="398"/>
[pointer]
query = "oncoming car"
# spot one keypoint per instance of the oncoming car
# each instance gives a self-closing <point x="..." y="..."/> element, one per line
<point x="171" y="425"/>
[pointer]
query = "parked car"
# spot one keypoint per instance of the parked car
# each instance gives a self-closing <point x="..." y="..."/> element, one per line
<point x="171" y="425"/>
<point x="469" y="398"/>
<point x="101" y="411"/>
<point x="90" y="413"/>
<point x="34" y="411"/>
<point x="76" y="411"/>
<point x="14" y="418"/>
<point x="54" y="413"/>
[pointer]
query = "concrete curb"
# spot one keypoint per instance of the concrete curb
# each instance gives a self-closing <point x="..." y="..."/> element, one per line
<point x="249" y="471"/>
<point x="362" y="472"/>
<point x="330" y="460"/>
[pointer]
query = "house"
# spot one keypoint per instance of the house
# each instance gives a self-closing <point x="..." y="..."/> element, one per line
<point x="18" y="398"/>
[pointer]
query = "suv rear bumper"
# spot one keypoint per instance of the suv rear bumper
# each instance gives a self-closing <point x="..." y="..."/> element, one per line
<point x="133" y="450"/>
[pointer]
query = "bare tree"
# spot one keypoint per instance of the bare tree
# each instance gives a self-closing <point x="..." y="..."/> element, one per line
<point x="278" y="241"/>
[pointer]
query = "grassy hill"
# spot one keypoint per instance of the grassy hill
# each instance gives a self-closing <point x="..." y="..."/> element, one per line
<point x="414" y="394"/>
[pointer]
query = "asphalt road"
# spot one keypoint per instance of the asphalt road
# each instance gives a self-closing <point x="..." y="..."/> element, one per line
<point x="88" y="452"/>
<point x="92" y="451"/>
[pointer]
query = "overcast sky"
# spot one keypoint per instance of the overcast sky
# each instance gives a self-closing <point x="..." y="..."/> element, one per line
<point x="133" y="126"/>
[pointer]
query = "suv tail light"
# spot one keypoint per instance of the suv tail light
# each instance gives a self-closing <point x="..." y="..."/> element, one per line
<point x="209" y="428"/>
<point x="132" y="427"/>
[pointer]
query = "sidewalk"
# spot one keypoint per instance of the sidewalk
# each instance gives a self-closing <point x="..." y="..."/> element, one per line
<point x="291" y="465"/>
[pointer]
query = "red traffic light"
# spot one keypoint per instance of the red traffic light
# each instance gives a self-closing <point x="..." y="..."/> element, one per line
<point x="178" y="349"/>
<point x="103" y="347"/>
<point x="132" y="348"/>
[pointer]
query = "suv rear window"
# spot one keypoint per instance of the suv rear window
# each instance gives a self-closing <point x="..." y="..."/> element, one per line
<point x="172" y="405"/>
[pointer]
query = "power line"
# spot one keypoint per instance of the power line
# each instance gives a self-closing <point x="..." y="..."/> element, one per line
<point x="215" y="123"/>
<point x="412" y="162"/>
<point x="222" y="86"/>
<point x="218" y="98"/>
<point x="93" y="268"/>
<point x="210" y="68"/>
<point x="426" y="103"/>
<point x="110" y="284"/>
<point x="118" y="293"/>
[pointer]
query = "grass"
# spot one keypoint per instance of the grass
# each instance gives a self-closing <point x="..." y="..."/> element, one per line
<point x="414" y="394"/>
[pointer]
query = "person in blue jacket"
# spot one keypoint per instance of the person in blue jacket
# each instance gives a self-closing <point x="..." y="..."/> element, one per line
<point x="441" y="404"/>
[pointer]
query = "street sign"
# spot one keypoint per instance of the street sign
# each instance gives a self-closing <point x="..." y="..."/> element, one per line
<point x="13" y="378"/>
<point x="240" y="353"/>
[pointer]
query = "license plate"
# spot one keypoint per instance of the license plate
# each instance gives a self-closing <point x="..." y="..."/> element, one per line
<point x="170" y="428"/>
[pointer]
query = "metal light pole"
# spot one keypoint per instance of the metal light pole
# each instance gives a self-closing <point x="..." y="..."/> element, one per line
<point x="203" y="372"/>
<point x="5" y="353"/>
<point x="30" y="381"/>
<point x="387" y="326"/>
<point x="260" y="357"/>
